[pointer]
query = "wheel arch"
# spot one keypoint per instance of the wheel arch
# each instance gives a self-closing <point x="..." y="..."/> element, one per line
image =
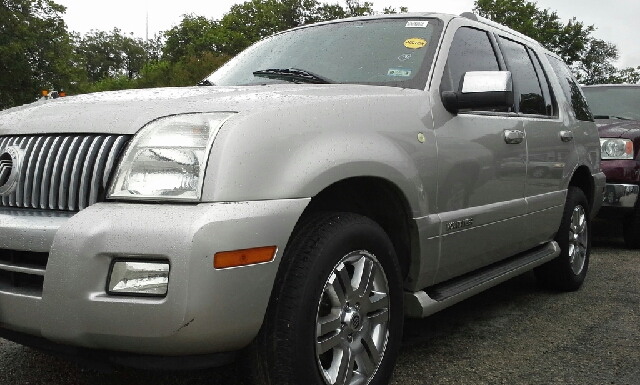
<point x="381" y="201"/>
<point x="583" y="180"/>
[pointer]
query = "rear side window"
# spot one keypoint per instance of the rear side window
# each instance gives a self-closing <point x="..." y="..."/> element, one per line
<point x="471" y="50"/>
<point x="571" y="89"/>
<point x="547" y="92"/>
<point x="527" y="91"/>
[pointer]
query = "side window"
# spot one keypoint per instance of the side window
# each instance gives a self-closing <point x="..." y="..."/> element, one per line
<point x="549" y="98"/>
<point x="571" y="89"/>
<point x="471" y="50"/>
<point x="527" y="91"/>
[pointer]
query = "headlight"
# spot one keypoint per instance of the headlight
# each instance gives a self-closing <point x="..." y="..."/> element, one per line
<point x="616" y="148"/>
<point x="167" y="158"/>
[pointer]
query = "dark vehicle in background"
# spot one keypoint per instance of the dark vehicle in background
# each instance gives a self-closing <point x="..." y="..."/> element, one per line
<point x="616" y="110"/>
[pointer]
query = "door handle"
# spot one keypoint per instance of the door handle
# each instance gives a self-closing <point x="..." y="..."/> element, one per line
<point x="566" y="136"/>
<point x="513" y="136"/>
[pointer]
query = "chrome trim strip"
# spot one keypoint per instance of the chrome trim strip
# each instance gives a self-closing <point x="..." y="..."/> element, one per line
<point x="621" y="195"/>
<point x="56" y="177"/>
<point x="19" y="199"/>
<point x="48" y="172"/>
<point x="21" y="269"/>
<point x="39" y="172"/>
<point x="78" y="165"/>
<point x="18" y="142"/>
<point x="117" y="148"/>
<point x="99" y="169"/>
<point x="63" y="191"/>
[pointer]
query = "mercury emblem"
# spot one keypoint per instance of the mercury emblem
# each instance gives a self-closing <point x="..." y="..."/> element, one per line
<point x="10" y="162"/>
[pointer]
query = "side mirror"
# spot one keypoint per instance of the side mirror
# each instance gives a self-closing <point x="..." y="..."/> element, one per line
<point x="480" y="89"/>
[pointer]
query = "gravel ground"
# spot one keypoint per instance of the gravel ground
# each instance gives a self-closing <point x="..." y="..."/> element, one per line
<point x="515" y="333"/>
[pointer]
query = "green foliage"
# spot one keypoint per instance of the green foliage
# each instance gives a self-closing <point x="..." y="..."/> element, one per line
<point x="591" y="59"/>
<point x="36" y="51"/>
<point x="194" y="36"/>
<point x="629" y="75"/>
<point x="253" y="20"/>
<point x="391" y="10"/>
<point x="111" y="54"/>
<point x="595" y="66"/>
<point x="354" y="8"/>
<point x="567" y="40"/>
<point x="186" y="72"/>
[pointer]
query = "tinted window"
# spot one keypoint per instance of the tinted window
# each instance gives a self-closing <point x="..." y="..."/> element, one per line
<point x="547" y="91"/>
<point x="619" y="102"/>
<point x="471" y="50"/>
<point x="571" y="89"/>
<point x="527" y="92"/>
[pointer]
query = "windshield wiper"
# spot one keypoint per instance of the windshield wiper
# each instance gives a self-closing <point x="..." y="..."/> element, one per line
<point x="294" y="75"/>
<point x="611" y="117"/>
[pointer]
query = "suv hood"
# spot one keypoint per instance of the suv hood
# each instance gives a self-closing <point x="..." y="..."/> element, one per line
<point x="125" y="112"/>
<point x="614" y="128"/>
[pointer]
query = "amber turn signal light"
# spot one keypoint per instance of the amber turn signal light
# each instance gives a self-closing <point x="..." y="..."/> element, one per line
<point x="226" y="259"/>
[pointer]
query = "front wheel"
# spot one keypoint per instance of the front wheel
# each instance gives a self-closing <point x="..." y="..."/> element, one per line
<point x="336" y="313"/>
<point x="568" y="271"/>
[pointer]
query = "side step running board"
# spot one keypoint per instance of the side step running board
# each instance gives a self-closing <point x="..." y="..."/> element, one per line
<point x="433" y="299"/>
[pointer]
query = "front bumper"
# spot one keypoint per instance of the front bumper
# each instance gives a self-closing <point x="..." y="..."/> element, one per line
<point x="205" y="311"/>
<point x="621" y="195"/>
<point x="623" y="180"/>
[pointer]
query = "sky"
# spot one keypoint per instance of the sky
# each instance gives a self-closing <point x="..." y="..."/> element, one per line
<point x="615" y="20"/>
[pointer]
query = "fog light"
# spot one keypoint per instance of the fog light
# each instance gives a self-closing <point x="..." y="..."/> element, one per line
<point x="137" y="278"/>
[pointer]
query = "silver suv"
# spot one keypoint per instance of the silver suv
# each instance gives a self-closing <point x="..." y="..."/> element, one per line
<point x="320" y="186"/>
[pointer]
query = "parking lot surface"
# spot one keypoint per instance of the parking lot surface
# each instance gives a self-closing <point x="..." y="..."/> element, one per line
<point x="514" y="333"/>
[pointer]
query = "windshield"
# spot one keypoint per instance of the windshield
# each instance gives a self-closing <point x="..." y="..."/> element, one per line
<point x="395" y="52"/>
<point x="614" y="102"/>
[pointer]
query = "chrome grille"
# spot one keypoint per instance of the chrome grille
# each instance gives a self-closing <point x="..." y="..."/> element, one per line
<point x="63" y="172"/>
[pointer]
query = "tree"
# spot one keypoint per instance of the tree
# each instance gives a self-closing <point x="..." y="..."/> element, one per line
<point x="591" y="59"/>
<point x="187" y="72"/>
<point x="36" y="51"/>
<point x="354" y="8"/>
<point x="569" y="40"/>
<point x="629" y="75"/>
<point x="595" y="66"/>
<point x="253" y="20"/>
<point x="194" y="36"/>
<point x="111" y="54"/>
<point x="391" y="10"/>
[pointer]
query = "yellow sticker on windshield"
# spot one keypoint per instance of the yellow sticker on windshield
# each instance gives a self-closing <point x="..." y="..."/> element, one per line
<point x="415" y="43"/>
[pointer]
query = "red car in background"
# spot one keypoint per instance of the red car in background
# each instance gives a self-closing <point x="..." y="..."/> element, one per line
<point x="616" y="110"/>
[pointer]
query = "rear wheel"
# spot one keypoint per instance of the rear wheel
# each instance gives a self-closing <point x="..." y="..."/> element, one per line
<point x="336" y="314"/>
<point x="569" y="270"/>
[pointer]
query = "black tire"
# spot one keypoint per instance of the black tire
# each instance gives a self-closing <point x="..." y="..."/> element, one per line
<point x="323" y="248"/>
<point x="568" y="271"/>
<point x="631" y="229"/>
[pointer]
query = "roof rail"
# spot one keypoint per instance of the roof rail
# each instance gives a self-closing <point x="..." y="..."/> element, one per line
<point x="480" y="19"/>
<point x="469" y="15"/>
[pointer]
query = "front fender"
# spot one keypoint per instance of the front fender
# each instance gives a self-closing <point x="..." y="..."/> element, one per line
<point x="261" y="156"/>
